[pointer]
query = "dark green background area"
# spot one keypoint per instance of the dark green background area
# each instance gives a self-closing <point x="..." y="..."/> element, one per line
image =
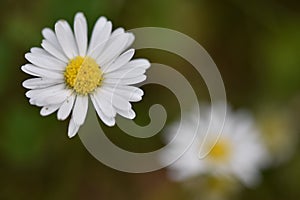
<point x="255" y="44"/>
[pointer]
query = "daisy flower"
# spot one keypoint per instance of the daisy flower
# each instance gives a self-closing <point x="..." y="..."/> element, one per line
<point x="69" y="71"/>
<point x="237" y="153"/>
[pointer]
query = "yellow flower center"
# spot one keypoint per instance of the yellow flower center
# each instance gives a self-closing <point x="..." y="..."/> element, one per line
<point x="83" y="75"/>
<point x="220" y="152"/>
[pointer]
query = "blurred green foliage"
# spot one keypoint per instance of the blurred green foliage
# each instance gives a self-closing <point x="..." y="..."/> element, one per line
<point x="255" y="44"/>
<point x="26" y="146"/>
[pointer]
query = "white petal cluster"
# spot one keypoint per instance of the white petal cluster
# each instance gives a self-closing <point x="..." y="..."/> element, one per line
<point x="238" y="153"/>
<point x="104" y="74"/>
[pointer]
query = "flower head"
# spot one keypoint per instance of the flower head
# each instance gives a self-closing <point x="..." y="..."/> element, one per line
<point x="238" y="152"/>
<point x="69" y="71"/>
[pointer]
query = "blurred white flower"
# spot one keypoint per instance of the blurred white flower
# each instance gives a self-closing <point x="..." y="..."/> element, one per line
<point x="69" y="71"/>
<point x="237" y="152"/>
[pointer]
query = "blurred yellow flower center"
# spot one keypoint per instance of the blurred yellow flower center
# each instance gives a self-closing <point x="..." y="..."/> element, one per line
<point x="220" y="152"/>
<point x="83" y="75"/>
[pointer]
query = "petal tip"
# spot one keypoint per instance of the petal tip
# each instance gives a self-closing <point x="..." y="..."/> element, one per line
<point x="79" y="13"/>
<point x="71" y="135"/>
<point x="72" y="130"/>
<point x="23" y="68"/>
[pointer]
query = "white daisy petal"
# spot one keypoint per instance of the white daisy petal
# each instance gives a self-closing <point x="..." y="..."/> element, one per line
<point x="127" y="81"/>
<point x="109" y="121"/>
<point x="50" y="89"/>
<point x="119" y="62"/>
<point x="137" y="63"/>
<point x="66" y="108"/>
<point x="130" y="40"/>
<point x="117" y="32"/>
<point x="57" y="97"/>
<point x="104" y="102"/>
<point x="129" y="114"/>
<point x="66" y="38"/>
<point x="38" y="50"/>
<point x="98" y="47"/>
<point x="125" y="73"/>
<point x="54" y="51"/>
<point x="49" y="109"/>
<point x="73" y="128"/>
<point x="113" y="49"/>
<point x="121" y="103"/>
<point x="100" y="36"/>
<point x="37" y="83"/>
<point x="132" y="97"/>
<point x="80" y="29"/>
<point x="45" y="61"/>
<point x="50" y="36"/>
<point x="37" y="71"/>
<point x="117" y="101"/>
<point x="130" y="93"/>
<point x="97" y="50"/>
<point x="80" y="109"/>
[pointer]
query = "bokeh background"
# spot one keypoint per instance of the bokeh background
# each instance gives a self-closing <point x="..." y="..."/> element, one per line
<point x="256" y="46"/>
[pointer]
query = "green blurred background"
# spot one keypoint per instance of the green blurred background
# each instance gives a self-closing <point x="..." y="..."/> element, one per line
<point x="255" y="44"/>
